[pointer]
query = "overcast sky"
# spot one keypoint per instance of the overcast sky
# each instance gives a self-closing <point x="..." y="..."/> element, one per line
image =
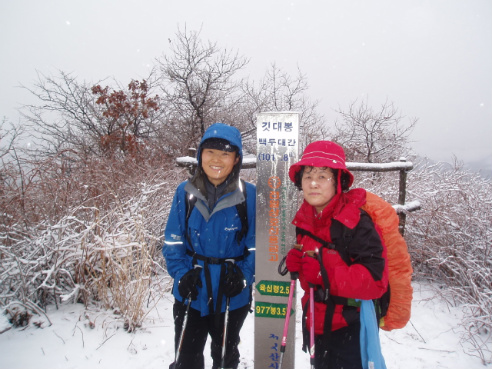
<point x="432" y="58"/>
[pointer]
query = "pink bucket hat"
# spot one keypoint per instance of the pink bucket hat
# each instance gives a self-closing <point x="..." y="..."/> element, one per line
<point x="322" y="154"/>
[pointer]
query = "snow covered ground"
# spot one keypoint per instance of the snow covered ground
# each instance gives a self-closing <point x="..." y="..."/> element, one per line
<point x="430" y="341"/>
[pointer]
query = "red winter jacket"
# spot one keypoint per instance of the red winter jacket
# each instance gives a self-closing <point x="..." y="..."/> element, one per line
<point x="366" y="277"/>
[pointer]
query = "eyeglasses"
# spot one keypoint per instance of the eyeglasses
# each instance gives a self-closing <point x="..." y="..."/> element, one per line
<point x="317" y="178"/>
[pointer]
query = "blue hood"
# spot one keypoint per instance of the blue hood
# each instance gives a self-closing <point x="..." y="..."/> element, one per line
<point x="226" y="132"/>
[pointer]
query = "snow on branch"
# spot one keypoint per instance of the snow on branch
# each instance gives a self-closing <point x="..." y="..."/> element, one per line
<point x="189" y="161"/>
<point x="381" y="167"/>
<point x="408" y="207"/>
<point x="250" y="162"/>
<point x="186" y="160"/>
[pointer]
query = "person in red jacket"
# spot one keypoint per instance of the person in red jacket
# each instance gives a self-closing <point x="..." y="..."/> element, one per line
<point x="339" y="277"/>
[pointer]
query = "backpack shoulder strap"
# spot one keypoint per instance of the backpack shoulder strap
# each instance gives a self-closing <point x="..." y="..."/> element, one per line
<point x="190" y="201"/>
<point x="341" y="236"/>
<point x="242" y="211"/>
<point x="304" y="232"/>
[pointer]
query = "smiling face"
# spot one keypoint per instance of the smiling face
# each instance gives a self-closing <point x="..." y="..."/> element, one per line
<point x="218" y="164"/>
<point x="318" y="186"/>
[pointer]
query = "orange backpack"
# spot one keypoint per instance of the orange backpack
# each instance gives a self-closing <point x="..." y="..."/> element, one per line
<point x="399" y="265"/>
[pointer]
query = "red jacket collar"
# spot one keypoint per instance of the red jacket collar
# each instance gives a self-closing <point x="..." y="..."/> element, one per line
<point x="344" y="207"/>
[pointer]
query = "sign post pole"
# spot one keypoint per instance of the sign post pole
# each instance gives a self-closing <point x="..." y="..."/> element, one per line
<point x="276" y="205"/>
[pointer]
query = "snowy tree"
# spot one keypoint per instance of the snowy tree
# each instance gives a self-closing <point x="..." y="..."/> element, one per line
<point x="199" y="85"/>
<point x="127" y="117"/>
<point x="89" y="118"/>
<point x="373" y="135"/>
<point x="450" y="239"/>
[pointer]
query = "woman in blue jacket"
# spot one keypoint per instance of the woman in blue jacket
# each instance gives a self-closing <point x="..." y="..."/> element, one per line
<point x="209" y="251"/>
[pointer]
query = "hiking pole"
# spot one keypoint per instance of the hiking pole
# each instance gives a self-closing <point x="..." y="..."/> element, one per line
<point x="311" y="310"/>
<point x="224" y="337"/>
<point x="185" y="319"/>
<point x="181" y="336"/>
<point x="311" y="333"/>
<point x="293" y="278"/>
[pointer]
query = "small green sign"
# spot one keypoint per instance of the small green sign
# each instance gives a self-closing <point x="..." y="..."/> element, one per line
<point x="271" y="310"/>
<point x="273" y="288"/>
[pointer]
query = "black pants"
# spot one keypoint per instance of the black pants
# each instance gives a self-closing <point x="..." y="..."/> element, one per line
<point x="196" y="332"/>
<point x="343" y="349"/>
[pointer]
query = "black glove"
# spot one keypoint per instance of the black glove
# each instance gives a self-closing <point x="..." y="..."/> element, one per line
<point x="234" y="281"/>
<point x="188" y="283"/>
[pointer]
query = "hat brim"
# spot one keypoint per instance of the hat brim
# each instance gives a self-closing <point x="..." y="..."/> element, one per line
<point x="219" y="144"/>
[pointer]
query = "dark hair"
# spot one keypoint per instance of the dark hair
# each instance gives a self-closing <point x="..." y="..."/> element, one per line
<point x="344" y="178"/>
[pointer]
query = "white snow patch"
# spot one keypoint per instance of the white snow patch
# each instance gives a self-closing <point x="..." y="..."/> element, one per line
<point x="431" y="340"/>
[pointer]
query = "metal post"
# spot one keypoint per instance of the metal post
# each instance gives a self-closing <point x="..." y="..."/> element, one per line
<point x="276" y="205"/>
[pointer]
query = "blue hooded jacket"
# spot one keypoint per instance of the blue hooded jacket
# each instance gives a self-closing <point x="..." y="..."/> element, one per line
<point x="212" y="232"/>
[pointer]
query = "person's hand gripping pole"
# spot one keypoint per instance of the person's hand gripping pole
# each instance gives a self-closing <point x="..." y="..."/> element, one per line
<point x="293" y="264"/>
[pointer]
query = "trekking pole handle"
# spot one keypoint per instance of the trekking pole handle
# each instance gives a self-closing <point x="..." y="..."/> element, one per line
<point x="298" y="246"/>
<point x="197" y="266"/>
<point x="311" y="253"/>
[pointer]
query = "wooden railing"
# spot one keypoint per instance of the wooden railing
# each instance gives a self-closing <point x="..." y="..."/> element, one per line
<point x="402" y="166"/>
